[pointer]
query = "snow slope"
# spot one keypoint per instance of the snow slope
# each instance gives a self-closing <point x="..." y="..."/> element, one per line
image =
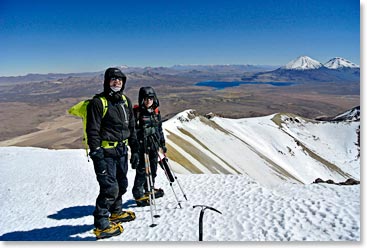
<point x="50" y="194"/>
<point x="271" y="149"/>
<point x="353" y="114"/>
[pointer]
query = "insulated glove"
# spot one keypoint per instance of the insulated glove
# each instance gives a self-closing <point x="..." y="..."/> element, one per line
<point x="134" y="160"/>
<point x="164" y="148"/>
<point x="97" y="155"/>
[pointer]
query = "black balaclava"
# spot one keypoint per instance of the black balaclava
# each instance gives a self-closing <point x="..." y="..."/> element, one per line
<point x="113" y="73"/>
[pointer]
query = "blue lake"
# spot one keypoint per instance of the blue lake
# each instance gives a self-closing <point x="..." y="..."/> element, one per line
<point x="221" y="85"/>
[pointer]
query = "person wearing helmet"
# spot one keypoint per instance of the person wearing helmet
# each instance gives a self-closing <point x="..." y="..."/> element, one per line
<point x="151" y="138"/>
<point x="108" y="133"/>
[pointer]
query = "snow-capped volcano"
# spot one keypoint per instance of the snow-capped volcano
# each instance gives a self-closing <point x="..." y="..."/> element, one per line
<point x="338" y="62"/>
<point x="303" y="63"/>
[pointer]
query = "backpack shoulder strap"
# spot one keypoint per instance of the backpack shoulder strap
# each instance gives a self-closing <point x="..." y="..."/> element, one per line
<point x="104" y="104"/>
<point x="124" y="98"/>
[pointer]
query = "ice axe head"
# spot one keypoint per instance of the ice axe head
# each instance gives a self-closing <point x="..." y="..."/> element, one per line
<point x="203" y="207"/>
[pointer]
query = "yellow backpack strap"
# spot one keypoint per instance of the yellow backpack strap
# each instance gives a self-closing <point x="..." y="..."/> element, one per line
<point x="105" y="108"/>
<point x="125" y="100"/>
<point x="109" y="144"/>
<point x="104" y="104"/>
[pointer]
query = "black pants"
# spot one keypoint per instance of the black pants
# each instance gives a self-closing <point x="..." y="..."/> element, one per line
<point x="111" y="175"/>
<point x="140" y="182"/>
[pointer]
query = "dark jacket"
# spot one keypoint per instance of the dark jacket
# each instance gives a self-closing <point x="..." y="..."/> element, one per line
<point x="117" y="125"/>
<point x="149" y="123"/>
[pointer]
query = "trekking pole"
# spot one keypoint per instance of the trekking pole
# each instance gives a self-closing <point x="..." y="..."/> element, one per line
<point x="151" y="186"/>
<point x="170" y="172"/>
<point x="150" y="197"/>
<point x="165" y="159"/>
<point x="151" y="190"/>
<point x="169" y="168"/>
<point x="166" y="172"/>
<point x="203" y="208"/>
<point x="170" y="181"/>
<point x="149" y="181"/>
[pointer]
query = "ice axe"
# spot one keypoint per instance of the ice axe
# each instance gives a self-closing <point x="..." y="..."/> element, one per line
<point x="203" y="208"/>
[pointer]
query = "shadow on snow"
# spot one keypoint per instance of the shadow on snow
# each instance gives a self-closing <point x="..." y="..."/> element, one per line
<point x="60" y="233"/>
<point x="129" y="204"/>
<point x="72" y="213"/>
<point x="57" y="233"/>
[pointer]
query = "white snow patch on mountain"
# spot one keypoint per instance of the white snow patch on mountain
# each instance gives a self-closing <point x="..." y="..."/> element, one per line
<point x="303" y="63"/>
<point x="337" y="62"/>
<point x="350" y="115"/>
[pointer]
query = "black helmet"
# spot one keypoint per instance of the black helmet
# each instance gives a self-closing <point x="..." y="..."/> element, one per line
<point x="113" y="73"/>
<point x="145" y="92"/>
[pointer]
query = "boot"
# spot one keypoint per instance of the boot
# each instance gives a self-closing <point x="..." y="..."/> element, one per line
<point x="157" y="193"/>
<point x="124" y="216"/>
<point x="142" y="201"/>
<point x="114" y="229"/>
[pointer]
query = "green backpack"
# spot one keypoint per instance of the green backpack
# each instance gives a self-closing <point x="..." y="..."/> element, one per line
<point x="80" y="110"/>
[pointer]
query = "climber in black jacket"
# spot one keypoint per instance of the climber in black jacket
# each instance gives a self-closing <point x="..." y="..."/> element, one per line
<point x="151" y="138"/>
<point x="108" y="135"/>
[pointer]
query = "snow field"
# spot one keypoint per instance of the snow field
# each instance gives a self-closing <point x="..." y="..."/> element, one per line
<point x="50" y="195"/>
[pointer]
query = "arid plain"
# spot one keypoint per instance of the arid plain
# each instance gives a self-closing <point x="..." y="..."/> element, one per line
<point x="35" y="113"/>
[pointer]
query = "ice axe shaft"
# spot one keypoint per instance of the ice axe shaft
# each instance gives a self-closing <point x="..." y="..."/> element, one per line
<point x="203" y="208"/>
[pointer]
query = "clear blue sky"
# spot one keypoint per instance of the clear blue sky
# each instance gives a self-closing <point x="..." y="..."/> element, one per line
<point x="42" y="36"/>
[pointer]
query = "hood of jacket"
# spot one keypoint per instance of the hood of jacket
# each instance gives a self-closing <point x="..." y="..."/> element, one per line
<point x="145" y="92"/>
<point x="113" y="73"/>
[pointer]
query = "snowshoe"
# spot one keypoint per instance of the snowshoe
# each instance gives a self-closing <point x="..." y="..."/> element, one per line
<point x="114" y="229"/>
<point x="143" y="201"/>
<point x="157" y="193"/>
<point x="124" y="216"/>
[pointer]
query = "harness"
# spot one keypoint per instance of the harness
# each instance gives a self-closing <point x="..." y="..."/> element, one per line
<point x="106" y="144"/>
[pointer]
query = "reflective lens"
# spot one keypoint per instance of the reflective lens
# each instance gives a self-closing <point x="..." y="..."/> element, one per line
<point x="113" y="79"/>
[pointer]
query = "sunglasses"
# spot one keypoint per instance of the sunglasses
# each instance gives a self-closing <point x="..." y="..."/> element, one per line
<point x="114" y="78"/>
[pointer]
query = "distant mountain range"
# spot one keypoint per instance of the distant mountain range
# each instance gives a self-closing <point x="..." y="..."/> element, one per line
<point x="300" y="70"/>
<point x="137" y="72"/>
<point x="37" y="77"/>
<point x="305" y="69"/>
